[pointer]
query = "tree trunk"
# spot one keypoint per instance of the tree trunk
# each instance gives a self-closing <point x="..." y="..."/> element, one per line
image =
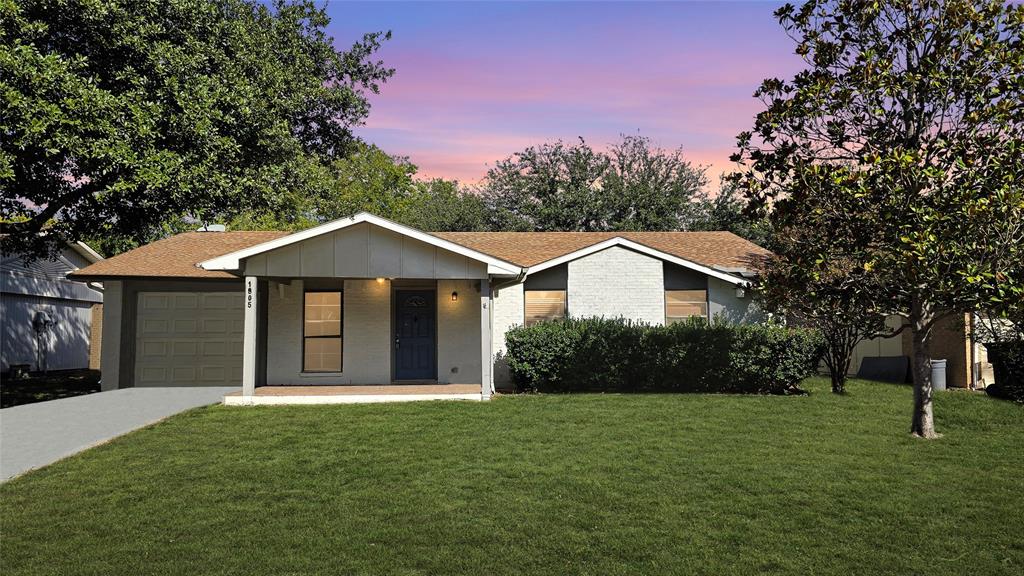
<point x="921" y="320"/>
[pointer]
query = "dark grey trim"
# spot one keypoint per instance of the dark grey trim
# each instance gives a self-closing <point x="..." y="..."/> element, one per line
<point x="679" y="278"/>
<point x="556" y="278"/>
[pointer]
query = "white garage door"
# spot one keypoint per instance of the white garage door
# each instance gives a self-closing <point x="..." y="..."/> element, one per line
<point x="189" y="339"/>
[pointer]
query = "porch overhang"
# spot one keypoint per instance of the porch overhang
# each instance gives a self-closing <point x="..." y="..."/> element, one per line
<point x="352" y="255"/>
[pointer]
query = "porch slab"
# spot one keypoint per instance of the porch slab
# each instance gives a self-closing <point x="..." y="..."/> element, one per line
<point x="353" y="394"/>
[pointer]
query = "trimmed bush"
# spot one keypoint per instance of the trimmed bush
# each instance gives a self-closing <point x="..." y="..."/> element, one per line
<point x="1007" y="360"/>
<point x="614" y="355"/>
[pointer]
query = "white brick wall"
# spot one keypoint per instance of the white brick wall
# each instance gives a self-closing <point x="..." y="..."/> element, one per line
<point x="508" y="311"/>
<point x="458" y="332"/>
<point x="617" y="282"/>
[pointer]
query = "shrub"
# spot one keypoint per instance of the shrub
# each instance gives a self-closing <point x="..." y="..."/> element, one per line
<point x="615" y="355"/>
<point x="1007" y="360"/>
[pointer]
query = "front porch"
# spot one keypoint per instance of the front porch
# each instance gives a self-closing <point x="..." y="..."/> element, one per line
<point x="353" y="394"/>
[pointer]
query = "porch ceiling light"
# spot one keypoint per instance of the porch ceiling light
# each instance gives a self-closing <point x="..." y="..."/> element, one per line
<point x="455" y="296"/>
<point x="380" y="280"/>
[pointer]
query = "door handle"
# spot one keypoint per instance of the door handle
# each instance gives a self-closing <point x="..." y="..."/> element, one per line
<point x="396" y="343"/>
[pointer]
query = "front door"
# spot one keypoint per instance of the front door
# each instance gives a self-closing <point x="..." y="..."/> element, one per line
<point x="415" y="347"/>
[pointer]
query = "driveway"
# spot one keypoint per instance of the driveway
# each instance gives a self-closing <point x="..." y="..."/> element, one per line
<point x="38" y="434"/>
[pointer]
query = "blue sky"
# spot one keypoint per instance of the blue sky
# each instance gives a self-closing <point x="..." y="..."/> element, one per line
<point x="476" y="82"/>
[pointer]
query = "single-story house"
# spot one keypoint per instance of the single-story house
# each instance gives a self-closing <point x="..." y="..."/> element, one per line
<point x="49" y="321"/>
<point x="366" y="302"/>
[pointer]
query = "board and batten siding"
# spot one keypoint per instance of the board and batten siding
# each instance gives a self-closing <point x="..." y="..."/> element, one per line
<point x="363" y="251"/>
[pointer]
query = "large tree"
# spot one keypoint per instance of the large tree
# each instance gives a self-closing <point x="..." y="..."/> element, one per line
<point x="634" y="185"/>
<point x="905" y="137"/>
<point x="119" y="116"/>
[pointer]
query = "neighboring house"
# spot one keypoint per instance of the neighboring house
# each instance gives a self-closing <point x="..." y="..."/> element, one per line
<point x="48" y="320"/>
<point x="967" y="364"/>
<point x="364" y="300"/>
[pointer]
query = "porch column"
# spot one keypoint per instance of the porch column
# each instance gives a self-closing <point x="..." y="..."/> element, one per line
<point x="250" y="336"/>
<point x="486" y="363"/>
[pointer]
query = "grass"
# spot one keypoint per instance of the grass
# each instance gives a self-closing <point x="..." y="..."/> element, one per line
<point x="585" y="484"/>
<point x="39" y="387"/>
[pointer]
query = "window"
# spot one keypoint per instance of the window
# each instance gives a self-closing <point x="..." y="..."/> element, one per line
<point x="321" y="332"/>
<point x="544" y="305"/>
<point x="681" y="304"/>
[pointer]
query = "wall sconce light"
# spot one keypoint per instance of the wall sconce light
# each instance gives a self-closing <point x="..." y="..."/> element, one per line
<point x="740" y="292"/>
<point x="455" y="296"/>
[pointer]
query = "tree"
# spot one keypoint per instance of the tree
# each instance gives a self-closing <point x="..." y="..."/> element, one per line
<point x="572" y="187"/>
<point x="442" y="206"/>
<point x="547" y="188"/>
<point x="816" y="277"/>
<point x="905" y="138"/>
<point x="120" y="116"/>
<point x="727" y="211"/>
<point x="370" y="180"/>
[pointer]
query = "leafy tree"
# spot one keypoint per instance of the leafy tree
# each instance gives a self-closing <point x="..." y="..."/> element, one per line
<point x="727" y="210"/>
<point x="370" y="180"/>
<point x="548" y="187"/>
<point x="120" y="116"/>
<point x="635" y="185"/>
<point x="905" y="139"/>
<point x="650" y="188"/>
<point x="442" y="206"/>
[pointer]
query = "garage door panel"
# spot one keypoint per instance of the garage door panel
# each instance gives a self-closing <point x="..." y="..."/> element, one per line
<point x="189" y="339"/>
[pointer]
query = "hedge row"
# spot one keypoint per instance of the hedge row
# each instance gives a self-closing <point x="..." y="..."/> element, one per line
<point x="614" y="355"/>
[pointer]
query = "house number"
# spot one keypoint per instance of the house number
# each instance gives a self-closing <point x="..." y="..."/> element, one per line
<point x="248" y="294"/>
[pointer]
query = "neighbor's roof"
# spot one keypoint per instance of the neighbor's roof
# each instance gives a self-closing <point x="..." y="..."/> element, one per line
<point x="712" y="249"/>
<point x="175" y="257"/>
<point x="179" y="256"/>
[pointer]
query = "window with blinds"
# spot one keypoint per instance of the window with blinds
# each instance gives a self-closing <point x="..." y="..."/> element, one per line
<point x="321" y="332"/>
<point x="682" y="304"/>
<point x="544" y="305"/>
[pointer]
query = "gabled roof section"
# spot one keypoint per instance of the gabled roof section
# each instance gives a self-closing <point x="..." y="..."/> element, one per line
<point x="720" y="254"/>
<point x="232" y="261"/>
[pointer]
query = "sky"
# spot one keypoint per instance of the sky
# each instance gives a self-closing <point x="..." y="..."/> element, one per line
<point x="476" y="82"/>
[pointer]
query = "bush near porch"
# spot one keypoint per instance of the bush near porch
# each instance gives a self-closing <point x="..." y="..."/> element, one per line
<point x="615" y="355"/>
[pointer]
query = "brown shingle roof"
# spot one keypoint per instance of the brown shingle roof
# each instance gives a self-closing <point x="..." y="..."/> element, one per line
<point x="721" y="249"/>
<point x="177" y="256"/>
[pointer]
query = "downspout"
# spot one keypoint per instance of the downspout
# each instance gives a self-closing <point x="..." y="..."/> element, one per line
<point x="518" y="279"/>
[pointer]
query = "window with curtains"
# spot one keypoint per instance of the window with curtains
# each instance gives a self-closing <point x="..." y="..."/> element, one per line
<point x="321" y="331"/>
<point x="544" y="305"/>
<point x="682" y="304"/>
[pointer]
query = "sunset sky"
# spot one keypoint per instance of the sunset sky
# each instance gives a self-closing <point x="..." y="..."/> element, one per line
<point x="475" y="82"/>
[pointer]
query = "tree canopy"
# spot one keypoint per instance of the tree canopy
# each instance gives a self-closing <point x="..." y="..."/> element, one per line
<point x="634" y="185"/>
<point x="904" y="139"/>
<point x="118" y="117"/>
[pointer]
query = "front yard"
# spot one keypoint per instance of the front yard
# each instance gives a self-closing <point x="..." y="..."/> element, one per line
<point x="584" y="484"/>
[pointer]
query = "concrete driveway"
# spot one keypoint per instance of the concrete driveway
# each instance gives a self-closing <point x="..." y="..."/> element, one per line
<point x="38" y="434"/>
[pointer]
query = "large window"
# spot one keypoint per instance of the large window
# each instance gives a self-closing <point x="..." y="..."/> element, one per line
<point x="544" y="305"/>
<point x="682" y="304"/>
<point x="321" y="332"/>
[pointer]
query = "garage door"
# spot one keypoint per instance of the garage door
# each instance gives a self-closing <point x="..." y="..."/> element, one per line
<point x="189" y="339"/>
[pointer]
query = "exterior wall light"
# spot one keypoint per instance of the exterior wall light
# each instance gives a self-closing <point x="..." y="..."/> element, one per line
<point x="740" y="292"/>
<point x="455" y="296"/>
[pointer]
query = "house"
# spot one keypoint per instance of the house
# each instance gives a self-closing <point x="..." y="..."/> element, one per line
<point x="384" y="308"/>
<point x="953" y="339"/>
<point x="49" y="321"/>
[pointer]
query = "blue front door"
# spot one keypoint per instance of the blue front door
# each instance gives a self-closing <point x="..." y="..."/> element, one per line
<point x="415" y="347"/>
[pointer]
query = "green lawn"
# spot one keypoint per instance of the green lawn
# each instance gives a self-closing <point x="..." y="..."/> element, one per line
<point x="585" y="484"/>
